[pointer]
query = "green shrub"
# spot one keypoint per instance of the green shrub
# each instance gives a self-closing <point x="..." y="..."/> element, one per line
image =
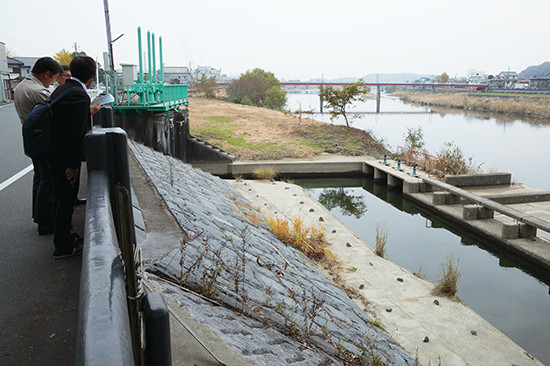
<point x="453" y="161"/>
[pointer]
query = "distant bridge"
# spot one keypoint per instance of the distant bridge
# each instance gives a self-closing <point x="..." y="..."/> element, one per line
<point x="379" y="86"/>
<point x="432" y="85"/>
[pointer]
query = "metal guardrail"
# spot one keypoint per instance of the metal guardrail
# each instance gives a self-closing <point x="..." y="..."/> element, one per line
<point x="110" y="321"/>
<point x="150" y="96"/>
<point x="104" y="336"/>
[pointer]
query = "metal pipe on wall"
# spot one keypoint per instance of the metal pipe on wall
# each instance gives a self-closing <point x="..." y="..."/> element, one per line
<point x="149" y="54"/>
<point x="154" y="59"/>
<point x="140" y="57"/>
<point x="161" y="65"/>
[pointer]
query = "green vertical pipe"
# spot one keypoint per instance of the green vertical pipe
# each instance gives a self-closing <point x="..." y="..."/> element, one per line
<point x="161" y="65"/>
<point x="154" y="59"/>
<point x="140" y="57"/>
<point x="149" y="54"/>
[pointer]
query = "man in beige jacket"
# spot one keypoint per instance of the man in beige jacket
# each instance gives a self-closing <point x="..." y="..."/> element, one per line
<point x="31" y="91"/>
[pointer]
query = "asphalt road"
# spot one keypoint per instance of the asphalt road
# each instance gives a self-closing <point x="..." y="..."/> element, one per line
<point x="39" y="295"/>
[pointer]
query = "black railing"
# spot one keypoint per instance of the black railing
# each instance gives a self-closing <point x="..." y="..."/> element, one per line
<point x="110" y="321"/>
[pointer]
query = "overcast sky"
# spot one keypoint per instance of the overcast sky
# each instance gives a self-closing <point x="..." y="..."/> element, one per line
<point x="296" y="39"/>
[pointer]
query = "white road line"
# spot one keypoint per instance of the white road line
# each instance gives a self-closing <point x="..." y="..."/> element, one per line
<point x="9" y="181"/>
<point x="6" y="105"/>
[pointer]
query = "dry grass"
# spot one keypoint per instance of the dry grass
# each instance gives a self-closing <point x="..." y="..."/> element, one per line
<point x="381" y="240"/>
<point x="520" y="106"/>
<point x="309" y="240"/>
<point x="448" y="283"/>
<point x="253" y="133"/>
<point x="264" y="173"/>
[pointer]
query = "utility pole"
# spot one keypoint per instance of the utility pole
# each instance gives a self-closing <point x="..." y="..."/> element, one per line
<point x="320" y="97"/>
<point x="377" y="94"/>
<point x="109" y="42"/>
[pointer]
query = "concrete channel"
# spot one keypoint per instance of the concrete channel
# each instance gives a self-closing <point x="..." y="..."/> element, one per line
<point x="438" y="330"/>
<point x="514" y="216"/>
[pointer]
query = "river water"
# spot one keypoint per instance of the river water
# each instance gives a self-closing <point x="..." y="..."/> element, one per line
<point x="499" y="143"/>
<point x="506" y="291"/>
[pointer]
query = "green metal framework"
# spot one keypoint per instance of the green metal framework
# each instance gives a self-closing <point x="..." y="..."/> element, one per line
<point x="150" y="95"/>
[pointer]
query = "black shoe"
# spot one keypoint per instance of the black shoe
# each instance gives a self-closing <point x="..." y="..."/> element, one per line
<point x="80" y="201"/>
<point x="76" y="239"/>
<point x="68" y="252"/>
<point x="45" y="229"/>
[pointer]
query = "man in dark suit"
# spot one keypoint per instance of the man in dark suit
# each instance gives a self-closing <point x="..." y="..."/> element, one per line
<point x="71" y="120"/>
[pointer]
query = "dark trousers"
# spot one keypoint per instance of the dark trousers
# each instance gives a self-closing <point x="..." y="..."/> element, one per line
<point x="65" y="197"/>
<point x="42" y="193"/>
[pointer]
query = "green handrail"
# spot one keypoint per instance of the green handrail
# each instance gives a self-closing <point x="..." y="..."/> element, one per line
<point x="152" y="94"/>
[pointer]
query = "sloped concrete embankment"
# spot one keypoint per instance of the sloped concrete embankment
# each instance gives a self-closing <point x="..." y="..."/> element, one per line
<point x="228" y="253"/>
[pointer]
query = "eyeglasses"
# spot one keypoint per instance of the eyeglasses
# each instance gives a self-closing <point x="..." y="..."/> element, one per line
<point x="65" y="75"/>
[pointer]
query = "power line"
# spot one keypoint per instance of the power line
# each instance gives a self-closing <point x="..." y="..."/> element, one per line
<point x="28" y="46"/>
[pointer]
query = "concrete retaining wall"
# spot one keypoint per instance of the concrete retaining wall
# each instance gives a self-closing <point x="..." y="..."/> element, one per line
<point x="170" y="135"/>
<point x="469" y="180"/>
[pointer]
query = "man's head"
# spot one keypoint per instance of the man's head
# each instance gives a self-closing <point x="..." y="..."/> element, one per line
<point x="65" y="74"/>
<point x="46" y="70"/>
<point x="83" y="68"/>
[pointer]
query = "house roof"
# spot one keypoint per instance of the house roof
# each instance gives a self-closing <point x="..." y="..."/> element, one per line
<point x="27" y="61"/>
<point x="508" y="73"/>
<point x="12" y="61"/>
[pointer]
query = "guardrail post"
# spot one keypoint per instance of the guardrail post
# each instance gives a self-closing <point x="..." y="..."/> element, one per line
<point x="107" y="150"/>
<point x="158" y="350"/>
<point x="105" y="117"/>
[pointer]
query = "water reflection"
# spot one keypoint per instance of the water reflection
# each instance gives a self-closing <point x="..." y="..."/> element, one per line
<point x="349" y="204"/>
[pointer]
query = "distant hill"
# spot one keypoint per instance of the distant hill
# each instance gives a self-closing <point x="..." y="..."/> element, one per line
<point x="542" y="69"/>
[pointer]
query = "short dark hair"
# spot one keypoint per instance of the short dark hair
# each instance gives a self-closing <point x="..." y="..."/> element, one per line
<point x="83" y="68"/>
<point x="45" y="64"/>
<point x="65" y="67"/>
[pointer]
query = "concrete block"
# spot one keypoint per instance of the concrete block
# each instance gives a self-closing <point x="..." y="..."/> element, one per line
<point x="510" y="231"/>
<point x="527" y="231"/>
<point x="485" y="179"/>
<point x="411" y="186"/>
<point x="424" y="187"/>
<point x="380" y="174"/>
<point x="439" y="198"/>
<point x="394" y="181"/>
<point x="367" y="169"/>
<point x="485" y="213"/>
<point x="470" y="212"/>
<point x="452" y="199"/>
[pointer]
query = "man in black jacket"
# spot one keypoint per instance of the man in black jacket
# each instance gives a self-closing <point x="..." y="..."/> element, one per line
<point x="71" y="120"/>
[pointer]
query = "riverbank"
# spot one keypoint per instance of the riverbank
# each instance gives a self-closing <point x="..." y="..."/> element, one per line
<point x="253" y="133"/>
<point x="286" y="310"/>
<point x="435" y="329"/>
<point x="518" y="105"/>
